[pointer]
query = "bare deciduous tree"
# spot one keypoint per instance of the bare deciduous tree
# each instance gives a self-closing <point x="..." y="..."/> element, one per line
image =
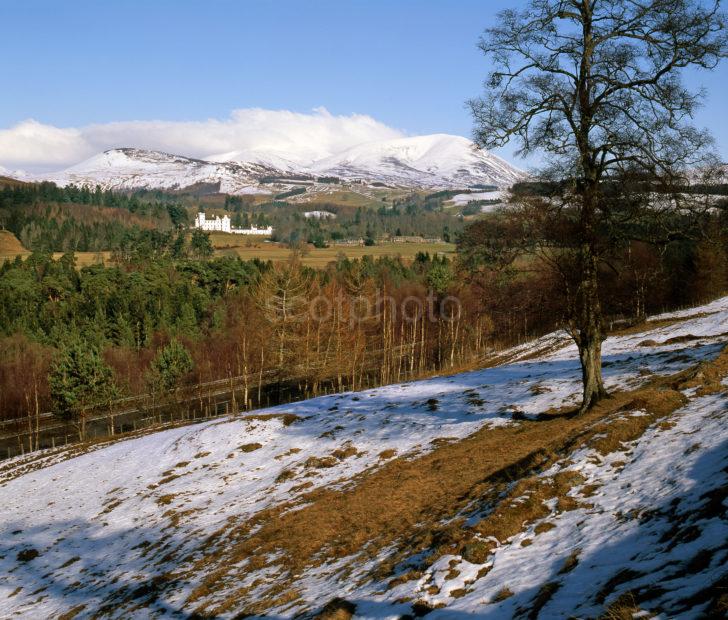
<point x="595" y="85"/>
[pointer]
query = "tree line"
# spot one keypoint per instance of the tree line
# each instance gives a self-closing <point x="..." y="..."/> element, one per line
<point x="48" y="218"/>
<point x="75" y="339"/>
<point x="412" y="216"/>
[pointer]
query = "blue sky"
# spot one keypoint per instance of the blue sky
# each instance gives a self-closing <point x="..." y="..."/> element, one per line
<point x="409" y="64"/>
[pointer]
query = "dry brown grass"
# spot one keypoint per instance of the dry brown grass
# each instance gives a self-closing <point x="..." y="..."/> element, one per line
<point x="10" y="247"/>
<point x="545" y="594"/>
<point x="85" y="259"/>
<point x="407" y="496"/>
<point x="543" y="527"/>
<point x="286" y="474"/>
<point x="405" y="501"/>
<point x="571" y="562"/>
<point x="647" y="326"/>
<point x="320" y="462"/>
<point x="656" y="403"/>
<point x="286" y="418"/>
<point x="706" y="377"/>
<point x="247" y="249"/>
<point x="337" y="609"/>
<point x="623" y="608"/>
<point x="502" y="595"/>
<point x="345" y="452"/>
<point x="72" y="613"/>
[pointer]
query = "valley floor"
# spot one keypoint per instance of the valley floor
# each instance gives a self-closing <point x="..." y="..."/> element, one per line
<point x="474" y="495"/>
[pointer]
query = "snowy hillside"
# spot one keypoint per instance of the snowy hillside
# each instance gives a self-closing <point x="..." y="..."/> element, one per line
<point x="280" y="161"/>
<point x="140" y="169"/>
<point x="454" y="496"/>
<point x="437" y="161"/>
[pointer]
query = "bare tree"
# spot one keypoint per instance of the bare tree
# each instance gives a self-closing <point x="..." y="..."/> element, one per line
<point x="595" y="85"/>
<point x="281" y="295"/>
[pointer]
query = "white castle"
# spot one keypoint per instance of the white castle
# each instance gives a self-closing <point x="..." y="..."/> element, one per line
<point x="222" y="224"/>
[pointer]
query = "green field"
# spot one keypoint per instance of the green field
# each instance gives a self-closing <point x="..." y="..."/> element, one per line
<point x="249" y="248"/>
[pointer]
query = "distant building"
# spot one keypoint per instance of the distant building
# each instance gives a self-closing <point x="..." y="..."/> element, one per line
<point x="253" y="230"/>
<point x="222" y="224"/>
<point x="217" y="223"/>
<point x="319" y="215"/>
<point x="414" y="239"/>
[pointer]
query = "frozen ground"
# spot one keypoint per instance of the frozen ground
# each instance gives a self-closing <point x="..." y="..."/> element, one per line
<point x="460" y="200"/>
<point x="658" y="516"/>
<point x="88" y="530"/>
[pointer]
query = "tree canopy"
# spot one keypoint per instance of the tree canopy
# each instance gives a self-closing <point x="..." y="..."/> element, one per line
<point x="596" y="86"/>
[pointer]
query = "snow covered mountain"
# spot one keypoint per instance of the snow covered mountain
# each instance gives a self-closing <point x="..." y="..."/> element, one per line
<point x="20" y="175"/>
<point x="270" y="159"/>
<point x="438" y="161"/>
<point x="128" y="168"/>
<point x="456" y="497"/>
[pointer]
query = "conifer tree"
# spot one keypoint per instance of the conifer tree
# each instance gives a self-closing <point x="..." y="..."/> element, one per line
<point x="80" y="381"/>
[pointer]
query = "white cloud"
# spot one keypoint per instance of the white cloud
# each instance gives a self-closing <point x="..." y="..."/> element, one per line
<point x="31" y="142"/>
<point x="296" y="136"/>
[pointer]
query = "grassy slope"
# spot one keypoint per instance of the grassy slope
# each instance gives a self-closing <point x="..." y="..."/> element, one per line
<point x="435" y="480"/>
<point x="366" y="197"/>
<point x="10" y="247"/>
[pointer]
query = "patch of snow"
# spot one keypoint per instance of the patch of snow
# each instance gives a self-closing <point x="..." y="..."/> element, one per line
<point x="116" y="516"/>
<point x="461" y="200"/>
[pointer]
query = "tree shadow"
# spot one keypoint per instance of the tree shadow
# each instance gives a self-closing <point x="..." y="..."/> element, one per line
<point x="672" y="558"/>
<point x="109" y="569"/>
<point x="89" y="568"/>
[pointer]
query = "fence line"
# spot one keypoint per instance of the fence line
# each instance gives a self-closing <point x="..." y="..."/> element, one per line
<point x="202" y="401"/>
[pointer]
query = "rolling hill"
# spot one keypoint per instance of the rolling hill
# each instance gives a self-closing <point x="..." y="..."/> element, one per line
<point x="10" y="247"/>
<point x="477" y="494"/>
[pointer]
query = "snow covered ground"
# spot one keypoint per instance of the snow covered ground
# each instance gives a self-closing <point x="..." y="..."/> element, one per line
<point x="460" y="200"/>
<point x="92" y="531"/>
<point x="630" y="524"/>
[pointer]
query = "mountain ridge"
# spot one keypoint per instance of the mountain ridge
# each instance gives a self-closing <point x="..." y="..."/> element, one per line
<point x="437" y="161"/>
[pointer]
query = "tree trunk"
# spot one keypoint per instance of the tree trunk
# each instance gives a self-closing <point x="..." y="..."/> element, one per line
<point x="590" y="355"/>
<point x="37" y="413"/>
<point x="589" y="333"/>
<point x="82" y="425"/>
